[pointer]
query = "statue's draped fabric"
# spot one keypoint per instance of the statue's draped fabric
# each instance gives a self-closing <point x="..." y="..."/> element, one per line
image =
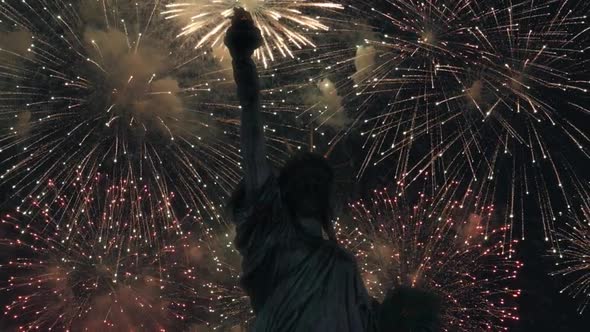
<point x="296" y="282"/>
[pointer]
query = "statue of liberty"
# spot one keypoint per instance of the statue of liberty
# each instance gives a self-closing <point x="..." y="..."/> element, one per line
<point x="297" y="276"/>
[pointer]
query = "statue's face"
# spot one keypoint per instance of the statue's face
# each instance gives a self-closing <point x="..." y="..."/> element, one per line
<point x="311" y="205"/>
<point x="309" y="193"/>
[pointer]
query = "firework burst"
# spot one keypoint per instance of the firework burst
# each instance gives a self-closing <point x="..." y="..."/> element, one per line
<point x="218" y="269"/>
<point x="475" y="91"/>
<point x="573" y="255"/>
<point x="98" y="86"/>
<point x="88" y="265"/>
<point x="283" y="24"/>
<point x="447" y="247"/>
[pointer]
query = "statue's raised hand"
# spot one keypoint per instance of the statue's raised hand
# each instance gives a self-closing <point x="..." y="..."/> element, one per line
<point x="243" y="37"/>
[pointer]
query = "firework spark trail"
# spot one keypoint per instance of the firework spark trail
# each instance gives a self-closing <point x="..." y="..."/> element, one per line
<point x="573" y="257"/>
<point x="491" y="88"/>
<point x="211" y="265"/>
<point x="228" y="304"/>
<point x="97" y="88"/>
<point x="86" y="266"/>
<point x="445" y="246"/>
<point x="283" y="24"/>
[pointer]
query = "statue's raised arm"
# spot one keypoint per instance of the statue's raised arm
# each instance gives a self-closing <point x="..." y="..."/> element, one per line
<point x="294" y="271"/>
<point x="242" y="39"/>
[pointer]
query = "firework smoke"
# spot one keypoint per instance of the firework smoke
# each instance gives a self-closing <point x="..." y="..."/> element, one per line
<point x="326" y="106"/>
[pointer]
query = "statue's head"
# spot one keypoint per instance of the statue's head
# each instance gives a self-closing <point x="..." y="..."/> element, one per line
<point x="306" y="183"/>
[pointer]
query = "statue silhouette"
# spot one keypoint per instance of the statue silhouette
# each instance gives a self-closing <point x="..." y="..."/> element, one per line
<point x="297" y="276"/>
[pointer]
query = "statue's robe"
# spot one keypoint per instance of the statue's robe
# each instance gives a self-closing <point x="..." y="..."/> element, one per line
<point x="296" y="281"/>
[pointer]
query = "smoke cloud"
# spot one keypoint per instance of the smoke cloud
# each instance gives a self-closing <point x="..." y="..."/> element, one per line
<point x="470" y="228"/>
<point x="475" y="91"/>
<point x="130" y="77"/>
<point x="224" y="61"/>
<point x="23" y="124"/>
<point x="329" y="105"/>
<point x="18" y="42"/>
<point x="364" y="63"/>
